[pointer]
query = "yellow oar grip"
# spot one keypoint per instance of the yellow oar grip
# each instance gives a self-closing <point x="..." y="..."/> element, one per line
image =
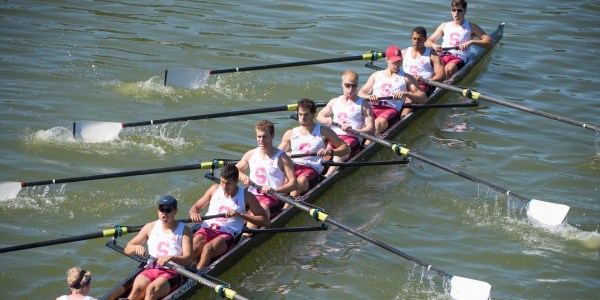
<point x="224" y="291"/>
<point x="111" y="232"/>
<point x="370" y="56"/>
<point x="471" y="94"/>
<point x="399" y="149"/>
<point x="321" y="216"/>
<point x="208" y="165"/>
<point x="292" y="106"/>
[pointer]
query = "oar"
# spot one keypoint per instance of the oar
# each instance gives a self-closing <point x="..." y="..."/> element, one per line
<point x="220" y="289"/>
<point x="461" y="287"/>
<point x="97" y="131"/>
<point x="284" y="230"/>
<point x="417" y="105"/>
<point x="188" y="78"/>
<point x="471" y="94"/>
<point x="403" y="161"/>
<point x="117" y="231"/>
<point x="547" y="213"/>
<point x="9" y="190"/>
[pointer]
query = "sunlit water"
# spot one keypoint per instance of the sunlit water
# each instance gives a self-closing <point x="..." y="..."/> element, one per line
<point x="68" y="61"/>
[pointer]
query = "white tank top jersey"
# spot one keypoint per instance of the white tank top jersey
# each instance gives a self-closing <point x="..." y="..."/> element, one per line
<point x="384" y="87"/>
<point x="349" y="114"/>
<point x="66" y="297"/>
<point x="456" y="35"/>
<point x="220" y="204"/>
<point x="305" y="144"/>
<point x="164" y="244"/>
<point x="265" y="171"/>
<point x="418" y="66"/>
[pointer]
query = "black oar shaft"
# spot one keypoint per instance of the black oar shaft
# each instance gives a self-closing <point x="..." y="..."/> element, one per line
<point x="476" y="95"/>
<point x="204" y="165"/>
<point x="369" y="56"/>
<point x="417" y="105"/>
<point x="83" y="237"/>
<point x="366" y="163"/>
<point x="117" y="231"/>
<point x="398" y="149"/>
<point x="284" y="230"/>
<point x="321" y="216"/>
<point x="219" y="115"/>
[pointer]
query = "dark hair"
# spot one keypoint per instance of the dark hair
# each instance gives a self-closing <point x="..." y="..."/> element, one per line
<point x="266" y="125"/>
<point x="459" y="3"/>
<point x="307" y="104"/>
<point x="230" y="172"/>
<point x="420" y="30"/>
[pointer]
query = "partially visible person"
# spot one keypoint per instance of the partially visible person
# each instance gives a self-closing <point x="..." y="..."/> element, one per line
<point x="458" y="32"/>
<point x="269" y="167"/>
<point x="168" y="240"/>
<point x="217" y="235"/>
<point x="79" y="281"/>
<point x="350" y="111"/>
<point x="421" y="62"/>
<point x="392" y="81"/>
<point x="310" y="137"/>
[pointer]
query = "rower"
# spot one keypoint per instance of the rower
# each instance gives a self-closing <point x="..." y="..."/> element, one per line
<point x="310" y="137"/>
<point x="169" y="240"/>
<point x="269" y="167"/>
<point x="392" y="81"/>
<point x="215" y="236"/>
<point x="349" y="110"/>
<point x="458" y="33"/>
<point x="420" y="62"/>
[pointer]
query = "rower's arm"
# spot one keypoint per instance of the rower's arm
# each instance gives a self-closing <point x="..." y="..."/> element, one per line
<point x="341" y="148"/>
<point x="286" y="141"/>
<point x="366" y="90"/>
<point x="415" y="94"/>
<point x="291" y="183"/>
<point x="431" y="41"/>
<point x="485" y="41"/>
<point x="258" y="216"/>
<point x="202" y="203"/>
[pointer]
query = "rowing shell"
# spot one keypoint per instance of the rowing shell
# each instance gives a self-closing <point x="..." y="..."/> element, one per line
<point x="229" y="259"/>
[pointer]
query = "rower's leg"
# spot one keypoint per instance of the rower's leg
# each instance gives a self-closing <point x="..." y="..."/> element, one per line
<point x="215" y="248"/>
<point x="158" y="288"/>
<point x="450" y="69"/>
<point x="197" y="245"/>
<point x="265" y="206"/>
<point x="381" y="125"/>
<point x="138" y="290"/>
<point x="332" y="169"/>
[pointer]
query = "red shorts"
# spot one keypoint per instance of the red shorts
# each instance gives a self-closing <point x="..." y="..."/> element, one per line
<point x="425" y="87"/>
<point x="352" y="141"/>
<point x="386" y="112"/>
<point x="271" y="201"/>
<point x="173" y="277"/>
<point x="305" y="171"/>
<point x="210" y="234"/>
<point x="449" y="58"/>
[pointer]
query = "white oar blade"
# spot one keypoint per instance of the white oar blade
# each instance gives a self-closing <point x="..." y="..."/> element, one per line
<point x="186" y="78"/>
<point x="96" y="132"/>
<point x="547" y="213"/>
<point x="469" y="289"/>
<point x="9" y="190"/>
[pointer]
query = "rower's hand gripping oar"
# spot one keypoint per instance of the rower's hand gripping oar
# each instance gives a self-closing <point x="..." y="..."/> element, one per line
<point x="117" y="231"/>
<point x="188" y="78"/>
<point x="461" y="287"/>
<point x="10" y="190"/>
<point x="547" y="213"/>
<point x="97" y="131"/>
<point x="471" y="94"/>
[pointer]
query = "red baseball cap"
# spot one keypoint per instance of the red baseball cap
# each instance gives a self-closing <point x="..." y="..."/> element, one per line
<point x="393" y="54"/>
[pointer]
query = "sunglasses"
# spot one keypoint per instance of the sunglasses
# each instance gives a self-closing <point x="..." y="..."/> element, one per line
<point x="458" y="10"/>
<point x="349" y="85"/>
<point x="165" y="210"/>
